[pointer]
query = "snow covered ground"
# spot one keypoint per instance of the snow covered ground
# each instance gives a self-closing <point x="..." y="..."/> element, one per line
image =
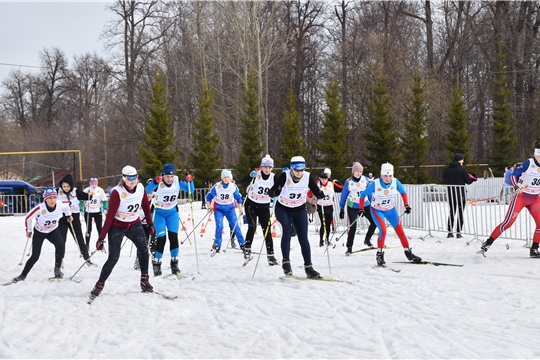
<point x="485" y="309"/>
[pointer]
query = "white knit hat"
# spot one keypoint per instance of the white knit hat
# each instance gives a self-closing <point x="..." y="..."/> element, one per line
<point x="387" y="169"/>
<point x="225" y="173"/>
<point x="267" y="161"/>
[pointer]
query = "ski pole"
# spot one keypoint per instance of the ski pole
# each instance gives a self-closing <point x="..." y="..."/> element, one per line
<point x="84" y="263"/>
<point x="193" y="224"/>
<point x="73" y="234"/>
<point x="346" y="230"/>
<point x="24" y="251"/>
<point x="240" y="214"/>
<point x="264" y="240"/>
<point x="196" y="226"/>
<point x="327" y="242"/>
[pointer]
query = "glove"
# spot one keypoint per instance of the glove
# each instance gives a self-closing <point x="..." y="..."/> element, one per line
<point x="342" y="214"/>
<point x="189" y="177"/>
<point x="473" y="177"/>
<point x="100" y="244"/>
<point x="320" y="195"/>
<point x="158" y="179"/>
<point x="361" y="213"/>
<point x="253" y="174"/>
<point x="407" y="209"/>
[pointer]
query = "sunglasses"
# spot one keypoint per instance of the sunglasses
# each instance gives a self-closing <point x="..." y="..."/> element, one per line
<point x="298" y="170"/>
<point x="131" y="177"/>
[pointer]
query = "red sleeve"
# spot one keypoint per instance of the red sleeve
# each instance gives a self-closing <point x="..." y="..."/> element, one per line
<point x="114" y="203"/>
<point x="361" y="203"/>
<point x="146" y="208"/>
<point x="405" y="199"/>
<point x="336" y="184"/>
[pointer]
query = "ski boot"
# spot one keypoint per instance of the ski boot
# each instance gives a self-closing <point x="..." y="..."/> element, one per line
<point x="57" y="272"/>
<point x="368" y="243"/>
<point x="311" y="273"/>
<point x="174" y="266"/>
<point x="19" y="278"/>
<point x="233" y="242"/>
<point x="380" y="258"/>
<point x="450" y="235"/>
<point x="156" y="266"/>
<point x="411" y="257"/>
<point x="485" y="246"/>
<point x="534" y="253"/>
<point x="98" y="288"/>
<point x="145" y="285"/>
<point x="247" y="252"/>
<point x="321" y="243"/>
<point x="286" y="266"/>
<point x="348" y="252"/>
<point x="215" y="249"/>
<point x="272" y="259"/>
<point x="328" y="242"/>
<point x="459" y="236"/>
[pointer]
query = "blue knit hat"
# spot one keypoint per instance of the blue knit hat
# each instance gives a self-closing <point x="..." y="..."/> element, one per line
<point x="298" y="163"/>
<point x="168" y="169"/>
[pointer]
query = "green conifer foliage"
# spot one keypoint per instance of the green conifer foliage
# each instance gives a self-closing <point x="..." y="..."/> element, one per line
<point x="333" y="146"/>
<point x="504" y="141"/>
<point x="292" y="142"/>
<point x="252" y="144"/>
<point x="204" y="157"/>
<point x="458" y="138"/>
<point x="415" y="139"/>
<point x="382" y="141"/>
<point x="159" y="136"/>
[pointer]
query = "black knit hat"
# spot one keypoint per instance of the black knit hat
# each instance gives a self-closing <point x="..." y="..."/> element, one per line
<point x="458" y="157"/>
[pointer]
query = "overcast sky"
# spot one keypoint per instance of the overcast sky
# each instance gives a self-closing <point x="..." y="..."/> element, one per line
<point x="26" y="28"/>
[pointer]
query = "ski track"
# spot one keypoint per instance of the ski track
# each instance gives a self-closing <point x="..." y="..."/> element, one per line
<point x="482" y="310"/>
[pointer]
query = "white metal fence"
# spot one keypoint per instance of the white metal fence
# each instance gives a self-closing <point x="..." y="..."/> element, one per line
<point x="486" y="204"/>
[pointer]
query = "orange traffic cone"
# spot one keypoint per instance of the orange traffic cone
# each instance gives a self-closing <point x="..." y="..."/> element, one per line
<point x="202" y="229"/>
<point x="274" y="234"/>
<point x="188" y="217"/>
<point x="184" y="226"/>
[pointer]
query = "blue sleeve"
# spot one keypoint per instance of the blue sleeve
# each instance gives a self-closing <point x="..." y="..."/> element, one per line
<point x="187" y="187"/>
<point x="517" y="173"/>
<point x="237" y="195"/>
<point x="151" y="187"/>
<point x="211" y="194"/>
<point x="344" y="195"/>
<point x="400" y="187"/>
<point x="368" y="191"/>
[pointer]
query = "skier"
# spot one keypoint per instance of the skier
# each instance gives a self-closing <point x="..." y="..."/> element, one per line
<point x="47" y="215"/>
<point x="123" y="220"/>
<point x="526" y="181"/>
<point x="291" y="189"/>
<point x="257" y="206"/>
<point x="222" y="200"/>
<point x="337" y="188"/>
<point x="166" y="218"/>
<point x="97" y="203"/>
<point x="350" y="197"/>
<point x="70" y="195"/>
<point x="383" y="193"/>
<point x="325" y="207"/>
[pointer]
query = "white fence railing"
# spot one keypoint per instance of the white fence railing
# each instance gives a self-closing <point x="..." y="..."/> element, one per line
<point x="485" y="206"/>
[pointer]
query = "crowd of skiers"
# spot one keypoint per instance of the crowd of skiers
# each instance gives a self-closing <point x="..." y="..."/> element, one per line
<point x="140" y="213"/>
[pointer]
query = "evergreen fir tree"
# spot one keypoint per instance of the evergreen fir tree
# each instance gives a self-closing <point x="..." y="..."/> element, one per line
<point x="252" y="144"/>
<point x="415" y="139"/>
<point x="504" y="142"/>
<point x="333" y="146"/>
<point x="458" y="138"/>
<point x="158" y="133"/>
<point x="292" y="142"/>
<point x="382" y="141"/>
<point x="204" y="157"/>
